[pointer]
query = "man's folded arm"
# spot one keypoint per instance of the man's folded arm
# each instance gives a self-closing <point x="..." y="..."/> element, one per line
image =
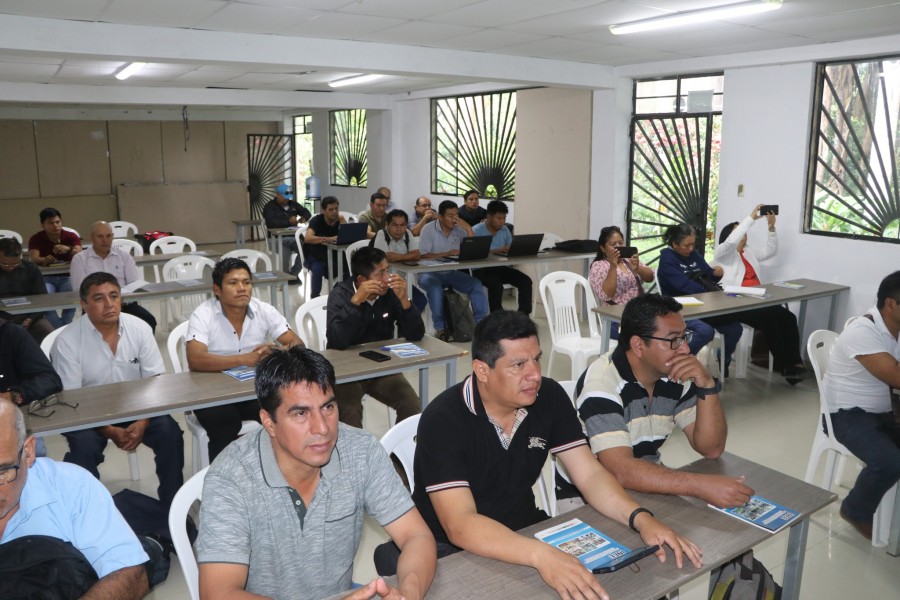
<point x="225" y="581"/>
<point x="129" y="583"/>
<point x="418" y="554"/>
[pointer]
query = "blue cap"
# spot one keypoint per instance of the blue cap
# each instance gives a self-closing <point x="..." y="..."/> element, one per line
<point x="285" y="190"/>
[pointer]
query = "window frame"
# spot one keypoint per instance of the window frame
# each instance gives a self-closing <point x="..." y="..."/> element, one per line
<point x="332" y="149"/>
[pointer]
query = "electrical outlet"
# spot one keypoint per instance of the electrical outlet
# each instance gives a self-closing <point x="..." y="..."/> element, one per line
<point x="740" y="190"/>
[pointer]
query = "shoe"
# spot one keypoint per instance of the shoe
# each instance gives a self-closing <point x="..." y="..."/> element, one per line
<point x="795" y="374"/>
<point x="864" y="529"/>
<point x="442" y="335"/>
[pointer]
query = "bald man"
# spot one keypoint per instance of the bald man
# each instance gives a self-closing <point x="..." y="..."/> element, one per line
<point x="103" y="256"/>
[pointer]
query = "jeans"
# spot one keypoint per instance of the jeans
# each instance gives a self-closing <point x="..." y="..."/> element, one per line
<point x="162" y="435"/>
<point x="317" y="270"/>
<point x="703" y="330"/>
<point x="864" y="435"/>
<point x="434" y="284"/>
<point x="391" y="390"/>
<point x="59" y="283"/>
<point x="223" y="423"/>
<point x="493" y="279"/>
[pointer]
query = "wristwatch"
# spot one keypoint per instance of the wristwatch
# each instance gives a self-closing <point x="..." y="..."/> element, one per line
<point x="703" y="392"/>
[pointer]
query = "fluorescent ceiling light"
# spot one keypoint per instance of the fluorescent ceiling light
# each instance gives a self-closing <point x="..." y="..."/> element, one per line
<point x="355" y="80"/>
<point x="129" y="70"/>
<point x="697" y="16"/>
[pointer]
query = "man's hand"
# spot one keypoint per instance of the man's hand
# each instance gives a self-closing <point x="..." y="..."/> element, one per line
<point x="565" y="574"/>
<point x="292" y="219"/>
<point x="61" y="249"/>
<point x="377" y="588"/>
<point x="725" y="492"/>
<point x="366" y="289"/>
<point x="118" y="435"/>
<point x="257" y="354"/>
<point x="429" y="215"/>
<point x="462" y="223"/>
<point x="398" y="284"/>
<point x="26" y="323"/>
<point x="655" y="533"/>
<point x="683" y="367"/>
<point x="135" y="434"/>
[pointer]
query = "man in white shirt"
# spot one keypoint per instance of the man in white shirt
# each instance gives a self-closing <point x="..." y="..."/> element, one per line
<point x="106" y="346"/>
<point x="233" y="329"/>
<point x="860" y="383"/>
<point x="399" y="245"/>
<point x="103" y="256"/>
<point x="422" y="215"/>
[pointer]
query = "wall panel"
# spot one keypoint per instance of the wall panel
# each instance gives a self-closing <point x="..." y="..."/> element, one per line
<point x="236" y="145"/>
<point x="200" y="157"/>
<point x="18" y="167"/>
<point x="73" y="158"/>
<point x="135" y="152"/>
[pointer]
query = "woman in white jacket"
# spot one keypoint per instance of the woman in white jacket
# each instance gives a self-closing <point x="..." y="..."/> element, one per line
<point x="741" y="266"/>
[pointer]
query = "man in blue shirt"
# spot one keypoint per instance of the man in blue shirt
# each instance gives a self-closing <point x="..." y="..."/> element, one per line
<point x="494" y="278"/>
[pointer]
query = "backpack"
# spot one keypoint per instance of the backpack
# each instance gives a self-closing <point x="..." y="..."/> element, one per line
<point x="151" y="236"/>
<point x="150" y="523"/>
<point x="458" y="315"/>
<point x="387" y="239"/>
<point x="745" y="578"/>
<point x="41" y="567"/>
<point x="577" y="246"/>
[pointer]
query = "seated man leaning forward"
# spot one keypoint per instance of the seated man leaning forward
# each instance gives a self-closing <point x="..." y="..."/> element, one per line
<point x="399" y="245"/>
<point x="282" y="509"/>
<point x="41" y="497"/>
<point x="634" y="396"/>
<point x="233" y="329"/>
<point x="482" y="444"/>
<point x="366" y="309"/>
<point x="108" y="346"/>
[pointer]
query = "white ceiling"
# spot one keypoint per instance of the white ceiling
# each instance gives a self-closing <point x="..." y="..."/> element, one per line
<point x="401" y="37"/>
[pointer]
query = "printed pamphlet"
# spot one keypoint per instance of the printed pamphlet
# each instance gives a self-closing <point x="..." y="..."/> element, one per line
<point x="15" y="301"/>
<point x="763" y="513"/>
<point x="744" y="291"/>
<point x="265" y="275"/>
<point x="242" y="373"/>
<point x="688" y="301"/>
<point x="189" y="282"/>
<point x="134" y="286"/>
<point x="405" y="350"/>
<point x="789" y="285"/>
<point x="593" y="548"/>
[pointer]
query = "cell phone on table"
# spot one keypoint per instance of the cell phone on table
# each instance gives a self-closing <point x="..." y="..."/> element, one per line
<point x="627" y="251"/>
<point x="623" y="561"/>
<point x="766" y="209"/>
<point x="376" y="356"/>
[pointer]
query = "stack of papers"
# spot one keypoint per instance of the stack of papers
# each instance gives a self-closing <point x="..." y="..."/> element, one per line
<point x="242" y="373"/>
<point x="688" y="301"/>
<point x="789" y="285"/>
<point x="134" y="286"/>
<point x="745" y="291"/>
<point x="15" y="301"/>
<point x="405" y="350"/>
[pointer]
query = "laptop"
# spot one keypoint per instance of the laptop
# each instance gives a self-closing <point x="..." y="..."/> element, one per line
<point x="524" y="245"/>
<point x="351" y="232"/>
<point x="472" y="248"/>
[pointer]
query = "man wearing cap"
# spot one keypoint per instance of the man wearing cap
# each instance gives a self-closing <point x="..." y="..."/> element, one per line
<point x="280" y="212"/>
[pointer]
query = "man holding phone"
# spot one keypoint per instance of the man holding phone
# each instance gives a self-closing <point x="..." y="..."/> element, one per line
<point x="364" y="309"/>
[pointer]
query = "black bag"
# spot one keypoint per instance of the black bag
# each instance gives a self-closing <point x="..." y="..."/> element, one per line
<point x="458" y="315"/>
<point x="577" y="246"/>
<point x="745" y="578"/>
<point x="150" y="522"/>
<point x="40" y="567"/>
<point x="706" y="281"/>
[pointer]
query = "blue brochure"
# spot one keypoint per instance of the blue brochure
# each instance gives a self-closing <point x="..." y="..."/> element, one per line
<point x="575" y="537"/>
<point x="763" y="513"/>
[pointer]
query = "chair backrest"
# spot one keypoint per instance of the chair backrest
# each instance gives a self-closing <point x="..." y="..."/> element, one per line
<point x="550" y="240"/>
<point x="559" y="293"/>
<point x="400" y="440"/>
<point x="299" y="237"/>
<point x="310" y="321"/>
<point x="352" y="248"/>
<point x="818" y="347"/>
<point x="176" y="344"/>
<point x="252" y="257"/>
<point x="191" y="491"/>
<point x="132" y="247"/>
<point x="47" y="342"/>
<point x="569" y="387"/>
<point x="349" y="217"/>
<point x="172" y="244"/>
<point x="70" y="230"/>
<point x="9" y="233"/>
<point x="186" y="267"/>
<point x="123" y="229"/>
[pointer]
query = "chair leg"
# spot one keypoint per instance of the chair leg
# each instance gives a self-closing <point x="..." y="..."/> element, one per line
<point x="881" y="524"/>
<point x="134" y="466"/>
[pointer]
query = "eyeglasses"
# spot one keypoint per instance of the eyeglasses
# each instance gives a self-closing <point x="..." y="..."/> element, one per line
<point x="675" y="342"/>
<point x="39" y="408"/>
<point x="9" y="474"/>
<point x="10" y="266"/>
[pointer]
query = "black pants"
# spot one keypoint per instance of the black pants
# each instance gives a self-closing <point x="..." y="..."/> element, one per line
<point x="779" y="325"/>
<point x="136" y="310"/>
<point x="494" y="278"/>
<point x="223" y="423"/>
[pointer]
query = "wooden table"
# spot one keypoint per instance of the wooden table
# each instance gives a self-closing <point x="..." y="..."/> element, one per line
<point x="240" y="230"/>
<point x="144" y="260"/>
<point x="722" y="538"/>
<point x="278" y="233"/>
<point x="719" y="303"/>
<point x="170" y="393"/>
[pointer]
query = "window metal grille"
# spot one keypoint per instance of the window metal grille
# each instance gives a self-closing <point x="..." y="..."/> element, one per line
<point x="270" y="158"/>
<point x="852" y="188"/>
<point x="474" y="145"/>
<point x="349" y="164"/>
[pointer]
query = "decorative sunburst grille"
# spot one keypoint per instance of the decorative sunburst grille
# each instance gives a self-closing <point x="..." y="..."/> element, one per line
<point x="474" y="145"/>
<point x="348" y="144"/>
<point x="853" y="187"/>
<point x="270" y="160"/>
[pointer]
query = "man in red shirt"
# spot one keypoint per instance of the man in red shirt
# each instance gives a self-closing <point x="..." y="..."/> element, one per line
<point x="51" y="245"/>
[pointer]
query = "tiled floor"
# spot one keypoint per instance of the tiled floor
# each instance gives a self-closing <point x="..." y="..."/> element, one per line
<point x="769" y="422"/>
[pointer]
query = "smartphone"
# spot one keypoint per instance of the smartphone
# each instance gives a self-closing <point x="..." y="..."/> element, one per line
<point x="376" y="356"/>
<point x="768" y="208"/>
<point x="623" y="561"/>
<point x="627" y="251"/>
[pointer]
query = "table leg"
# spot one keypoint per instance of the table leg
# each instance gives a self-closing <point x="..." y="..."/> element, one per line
<point x="893" y="547"/>
<point x="607" y="331"/>
<point x="239" y="237"/>
<point x="285" y="297"/>
<point x="834" y="299"/>
<point x="279" y="251"/>
<point x="339" y="255"/>
<point x="451" y="374"/>
<point x="423" y="387"/>
<point x="801" y="318"/>
<point x="793" y="564"/>
<point x="329" y="272"/>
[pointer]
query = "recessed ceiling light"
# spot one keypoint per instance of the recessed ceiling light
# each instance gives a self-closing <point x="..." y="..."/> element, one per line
<point x="129" y="70"/>
<point x="355" y="80"/>
<point x="697" y="16"/>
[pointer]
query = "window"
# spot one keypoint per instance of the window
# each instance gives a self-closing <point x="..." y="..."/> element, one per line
<point x="303" y="155"/>
<point x="852" y="175"/>
<point x="675" y="139"/>
<point x="349" y="156"/>
<point x="473" y="142"/>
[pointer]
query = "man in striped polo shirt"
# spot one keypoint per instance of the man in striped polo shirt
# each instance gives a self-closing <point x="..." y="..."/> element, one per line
<point x="632" y="398"/>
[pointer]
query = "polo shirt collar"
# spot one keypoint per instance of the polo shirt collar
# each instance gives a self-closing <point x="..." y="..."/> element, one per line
<point x="620" y="360"/>
<point x="94" y="331"/>
<point x="251" y="314"/>
<point x="272" y="472"/>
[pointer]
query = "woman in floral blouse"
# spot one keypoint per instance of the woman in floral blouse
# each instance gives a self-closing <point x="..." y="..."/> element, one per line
<point x="616" y="280"/>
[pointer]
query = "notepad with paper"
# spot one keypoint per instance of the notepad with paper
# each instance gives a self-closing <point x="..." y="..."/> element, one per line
<point x="688" y="301"/>
<point x="745" y="291"/>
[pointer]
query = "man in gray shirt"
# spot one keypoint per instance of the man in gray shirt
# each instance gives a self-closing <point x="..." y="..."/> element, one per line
<point x="282" y="509"/>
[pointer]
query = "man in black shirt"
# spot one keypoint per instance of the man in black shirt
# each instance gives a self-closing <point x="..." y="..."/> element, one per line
<point x="25" y="371"/>
<point x="366" y="309"/>
<point x="22" y="278"/>
<point x="481" y="445"/>
<point x="323" y="229"/>
<point x="470" y="212"/>
<point x="280" y="212"/>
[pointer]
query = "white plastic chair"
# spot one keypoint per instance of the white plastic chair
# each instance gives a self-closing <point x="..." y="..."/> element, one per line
<point x="303" y="275"/>
<point x="179" y="269"/>
<point x="352" y="248"/>
<point x="400" y="440"/>
<point x="190" y="492"/>
<point x="9" y="233"/>
<point x="70" y="230"/>
<point x="253" y="258"/>
<point x="559" y="293"/>
<point x="173" y="244"/>
<point x="555" y="465"/>
<point x="349" y="217"/>
<point x="199" y="438"/>
<point x="310" y="322"/>
<point x="123" y="229"/>
<point x="132" y="247"/>
<point x="742" y="353"/>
